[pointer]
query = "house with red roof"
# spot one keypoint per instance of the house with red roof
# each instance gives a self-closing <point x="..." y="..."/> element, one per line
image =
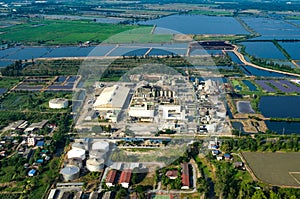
<point x="110" y="178"/>
<point x="185" y="176"/>
<point x="172" y="174"/>
<point x="125" y="177"/>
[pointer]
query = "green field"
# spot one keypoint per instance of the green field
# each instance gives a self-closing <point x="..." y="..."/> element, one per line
<point x="54" y="32"/>
<point x="281" y="169"/>
<point x="63" y="32"/>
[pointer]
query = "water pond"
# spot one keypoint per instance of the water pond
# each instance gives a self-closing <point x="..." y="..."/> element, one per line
<point x="280" y="106"/>
<point x="198" y="24"/>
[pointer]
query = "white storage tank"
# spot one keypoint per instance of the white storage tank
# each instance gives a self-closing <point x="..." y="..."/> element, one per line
<point x="70" y="173"/>
<point x="100" y="145"/>
<point x="80" y="145"/>
<point x="74" y="162"/>
<point x="77" y="153"/>
<point x="58" y="103"/>
<point x="97" y="154"/>
<point x="95" y="164"/>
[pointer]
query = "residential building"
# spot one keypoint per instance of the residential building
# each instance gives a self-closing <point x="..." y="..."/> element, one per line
<point x="185" y="177"/>
<point x="172" y="174"/>
<point x="31" y="141"/>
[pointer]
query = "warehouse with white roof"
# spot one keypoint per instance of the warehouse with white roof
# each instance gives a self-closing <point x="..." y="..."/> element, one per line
<point x="112" y="98"/>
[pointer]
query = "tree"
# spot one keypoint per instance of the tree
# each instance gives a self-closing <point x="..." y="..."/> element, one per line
<point x="259" y="194"/>
<point x="226" y="147"/>
<point x="273" y="195"/>
<point x="122" y="193"/>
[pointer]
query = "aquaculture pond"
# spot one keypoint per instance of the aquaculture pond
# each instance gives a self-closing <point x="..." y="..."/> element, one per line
<point x="198" y="24"/>
<point x="280" y="106"/>
<point x="251" y="86"/>
<point x="270" y="28"/>
<point x="284" y="127"/>
<point x="244" y="107"/>
<point x="292" y="48"/>
<point x="265" y="50"/>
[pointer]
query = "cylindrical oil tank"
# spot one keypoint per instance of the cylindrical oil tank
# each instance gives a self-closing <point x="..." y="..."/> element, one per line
<point x="95" y="164"/>
<point x="77" y="153"/>
<point x="74" y="162"/>
<point x="70" y="173"/>
<point x="100" y="145"/>
<point x="78" y="145"/>
<point x="97" y="154"/>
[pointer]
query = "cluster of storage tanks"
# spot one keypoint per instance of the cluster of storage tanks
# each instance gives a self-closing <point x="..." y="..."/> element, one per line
<point x="84" y="153"/>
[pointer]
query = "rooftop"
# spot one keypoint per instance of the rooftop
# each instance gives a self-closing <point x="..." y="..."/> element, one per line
<point x="112" y="97"/>
<point x="172" y="173"/>
<point x="38" y="125"/>
<point x="111" y="176"/>
<point x="125" y="176"/>
<point x="185" y="178"/>
<point x="58" y="100"/>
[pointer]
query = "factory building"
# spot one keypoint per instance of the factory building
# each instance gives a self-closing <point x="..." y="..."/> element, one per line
<point x="143" y="111"/>
<point x="145" y="98"/>
<point x="148" y="91"/>
<point x="172" y="112"/>
<point x="111" y="101"/>
<point x="112" y="98"/>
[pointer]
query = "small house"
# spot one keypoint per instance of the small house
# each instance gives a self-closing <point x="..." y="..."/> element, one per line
<point x="227" y="156"/>
<point x="239" y="165"/>
<point x="219" y="158"/>
<point x="215" y="152"/>
<point x="172" y="174"/>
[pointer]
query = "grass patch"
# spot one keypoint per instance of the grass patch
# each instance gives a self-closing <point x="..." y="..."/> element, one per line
<point x="237" y="85"/>
<point x="219" y="37"/>
<point x="211" y="13"/>
<point x="139" y="35"/>
<point x="31" y="101"/>
<point x="7" y="82"/>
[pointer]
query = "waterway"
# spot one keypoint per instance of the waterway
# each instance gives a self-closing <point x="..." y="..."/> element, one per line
<point x="249" y="70"/>
<point x="251" y="86"/>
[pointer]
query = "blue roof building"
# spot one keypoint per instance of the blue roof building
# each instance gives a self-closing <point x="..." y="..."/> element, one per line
<point x="32" y="172"/>
<point x="40" y="161"/>
<point x="40" y="143"/>
<point x="227" y="156"/>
